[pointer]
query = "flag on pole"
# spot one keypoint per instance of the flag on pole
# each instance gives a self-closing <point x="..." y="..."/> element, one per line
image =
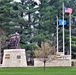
<point x="61" y="22"/>
<point x="68" y="10"/>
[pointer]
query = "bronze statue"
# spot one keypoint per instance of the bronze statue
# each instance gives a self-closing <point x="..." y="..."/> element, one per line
<point x="14" y="41"/>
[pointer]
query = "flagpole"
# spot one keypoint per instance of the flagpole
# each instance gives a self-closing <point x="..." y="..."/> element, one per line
<point x="63" y="31"/>
<point x="70" y="35"/>
<point x="70" y="31"/>
<point x="57" y="34"/>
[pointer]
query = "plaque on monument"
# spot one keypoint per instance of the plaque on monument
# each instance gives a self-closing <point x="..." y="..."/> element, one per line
<point x="7" y="56"/>
<point x="18" y="56"/>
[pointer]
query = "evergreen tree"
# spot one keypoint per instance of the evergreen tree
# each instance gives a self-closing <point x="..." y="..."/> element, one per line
<point x="44" y="20"/>
<point x="5" y="18"/>
<point x="27" y="14"/>
<point x="35" y="23"/>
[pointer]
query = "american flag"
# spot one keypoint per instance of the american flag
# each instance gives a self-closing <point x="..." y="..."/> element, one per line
<point x="68" y="10"/>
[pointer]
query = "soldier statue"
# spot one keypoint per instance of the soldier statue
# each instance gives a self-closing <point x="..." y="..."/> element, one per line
<point x="14" y="41"/>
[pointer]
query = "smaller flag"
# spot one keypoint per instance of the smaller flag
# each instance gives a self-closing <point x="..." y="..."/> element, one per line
<point x="68" y="10"/>
<point x="61" y="22"/>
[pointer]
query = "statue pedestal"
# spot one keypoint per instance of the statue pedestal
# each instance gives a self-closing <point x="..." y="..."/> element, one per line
<point x="14" y="58"/>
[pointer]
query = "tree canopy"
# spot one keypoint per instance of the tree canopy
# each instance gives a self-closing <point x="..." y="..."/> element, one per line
<point x="37" y="22"/>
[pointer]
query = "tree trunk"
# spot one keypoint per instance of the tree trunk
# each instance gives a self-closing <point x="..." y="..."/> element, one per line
<point x="44" y="65"/>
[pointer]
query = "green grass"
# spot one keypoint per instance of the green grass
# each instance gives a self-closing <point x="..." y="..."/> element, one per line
<point x="39" y="71"/>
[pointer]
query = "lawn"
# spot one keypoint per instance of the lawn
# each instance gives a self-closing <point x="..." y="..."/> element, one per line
<point x="39" y="71"/>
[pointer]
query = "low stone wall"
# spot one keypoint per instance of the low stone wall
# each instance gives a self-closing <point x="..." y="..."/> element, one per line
<point x="17" y="58"/>
<point x="14" y="58"/>
<point x="56" y="62"/>
<point x="73" y="62"/>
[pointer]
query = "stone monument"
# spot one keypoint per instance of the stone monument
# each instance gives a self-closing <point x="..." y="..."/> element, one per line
<point x="14" y="56"/>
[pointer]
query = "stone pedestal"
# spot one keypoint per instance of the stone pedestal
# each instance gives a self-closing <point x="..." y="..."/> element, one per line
<point x="59" y="61"/>
<point x="14" y="58"/>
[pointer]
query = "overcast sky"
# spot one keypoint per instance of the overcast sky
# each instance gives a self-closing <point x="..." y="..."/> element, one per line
<point x="34" y="0"/>
<point x="17" y="0"/>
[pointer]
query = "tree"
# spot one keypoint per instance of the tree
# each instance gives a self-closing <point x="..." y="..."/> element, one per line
<point x="5" y="18"/>
<point x="45" y="53"/>
<point x="28" y="12"/>
<point x="41" y="21"/>
<point x="44" y="22"/>
<point x="2" y="43"/>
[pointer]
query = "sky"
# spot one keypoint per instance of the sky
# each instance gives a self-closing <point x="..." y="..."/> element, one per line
<point x="17" y="0"/>
<point x="34" y="0"/>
